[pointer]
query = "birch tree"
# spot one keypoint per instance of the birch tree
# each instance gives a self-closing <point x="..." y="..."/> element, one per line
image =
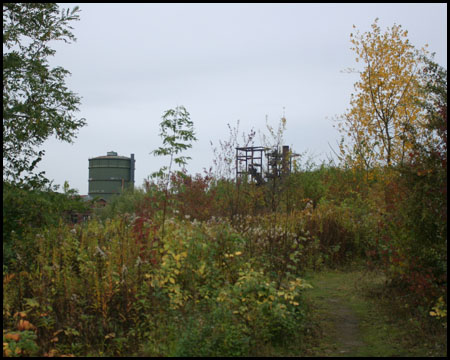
<point x="385" y="117"/>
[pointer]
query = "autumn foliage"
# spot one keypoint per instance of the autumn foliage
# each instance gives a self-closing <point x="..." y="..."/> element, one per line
<point x="205" y="265"/>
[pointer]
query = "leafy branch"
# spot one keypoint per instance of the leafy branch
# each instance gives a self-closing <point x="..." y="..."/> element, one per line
<point x="177" y="132"/>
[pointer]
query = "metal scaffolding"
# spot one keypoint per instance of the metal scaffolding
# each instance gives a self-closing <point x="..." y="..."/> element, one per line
<point x="249" y="161"/>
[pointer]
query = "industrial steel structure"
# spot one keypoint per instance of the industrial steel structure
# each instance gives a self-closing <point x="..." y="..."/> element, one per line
<point x="109" y="175"/>
<point x="249" y="161"/>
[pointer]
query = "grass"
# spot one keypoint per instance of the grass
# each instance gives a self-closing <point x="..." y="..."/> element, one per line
<point x="351" y="318"/>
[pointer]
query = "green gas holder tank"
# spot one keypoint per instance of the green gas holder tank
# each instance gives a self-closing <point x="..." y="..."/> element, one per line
<point x="109" y="175"/>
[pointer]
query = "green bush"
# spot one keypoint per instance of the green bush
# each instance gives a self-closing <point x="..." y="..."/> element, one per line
<point x="213" y="333"/>
<point x="25" y="212"/>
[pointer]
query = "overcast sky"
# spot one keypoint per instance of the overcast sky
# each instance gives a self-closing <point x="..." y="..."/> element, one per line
<point x="223" y="62"/>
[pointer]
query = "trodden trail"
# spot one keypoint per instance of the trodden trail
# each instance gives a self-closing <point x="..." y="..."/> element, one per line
<point x="346" y="322"/>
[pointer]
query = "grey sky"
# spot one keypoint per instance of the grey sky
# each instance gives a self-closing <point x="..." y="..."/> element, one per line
<point x="223" y="62"/>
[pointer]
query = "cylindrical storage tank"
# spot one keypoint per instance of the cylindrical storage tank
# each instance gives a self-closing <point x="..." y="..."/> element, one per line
<point x="109" y="175"/>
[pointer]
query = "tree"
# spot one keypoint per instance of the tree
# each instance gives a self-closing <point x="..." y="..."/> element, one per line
<point x="385" y="117"/>
<point x="435" y="104"/>
<point x="425" y="175"/>
<point x="36" y="100"/>
<point x="177" y="131"/>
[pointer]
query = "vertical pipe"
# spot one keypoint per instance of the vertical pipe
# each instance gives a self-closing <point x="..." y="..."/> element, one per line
<point x="237" y="151"/>
<point x="132" y="167"/>
<point x="285" y="160"/>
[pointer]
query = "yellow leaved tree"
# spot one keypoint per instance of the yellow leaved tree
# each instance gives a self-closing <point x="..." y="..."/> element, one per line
<point x="385" y="117"/>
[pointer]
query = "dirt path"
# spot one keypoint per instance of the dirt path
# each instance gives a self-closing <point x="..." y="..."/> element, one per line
<point x="345" y="322"/>
<point x="346" y="325"/>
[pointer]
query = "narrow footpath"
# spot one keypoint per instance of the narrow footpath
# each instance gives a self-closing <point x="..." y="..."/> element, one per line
<point x="345" y="322"/>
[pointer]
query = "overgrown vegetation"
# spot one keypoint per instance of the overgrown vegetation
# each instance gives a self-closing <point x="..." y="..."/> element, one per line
<point x="227" y="274"/>
<point x="210" y="265"/>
